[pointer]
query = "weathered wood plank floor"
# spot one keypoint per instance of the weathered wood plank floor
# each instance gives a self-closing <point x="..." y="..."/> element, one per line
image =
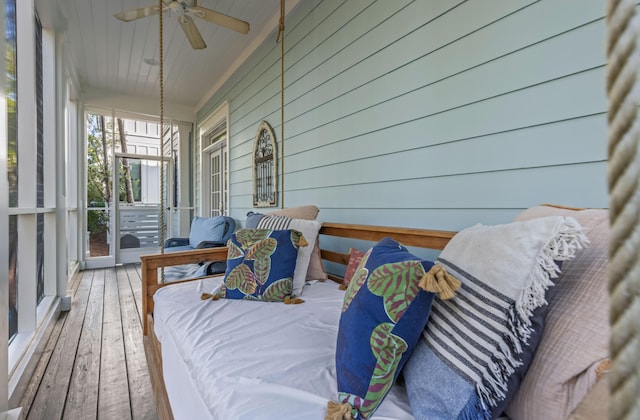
<point x="93" y="366"/>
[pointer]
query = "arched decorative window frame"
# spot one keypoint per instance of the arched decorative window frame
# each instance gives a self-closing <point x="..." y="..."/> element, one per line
<point x="265" y="134"/>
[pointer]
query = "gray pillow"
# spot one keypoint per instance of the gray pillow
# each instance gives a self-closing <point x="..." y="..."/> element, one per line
<point x="252" y="220"/>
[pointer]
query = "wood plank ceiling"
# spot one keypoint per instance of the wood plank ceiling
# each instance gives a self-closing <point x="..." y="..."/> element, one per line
<point x="108" y="55"/>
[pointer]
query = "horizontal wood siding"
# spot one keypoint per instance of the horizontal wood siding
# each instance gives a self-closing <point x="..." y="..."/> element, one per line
<point x="433" y="114"/>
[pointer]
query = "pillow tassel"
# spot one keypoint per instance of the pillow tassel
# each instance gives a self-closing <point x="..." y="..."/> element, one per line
<point x="603" y="368"/>
<point x="337" y="411"/>
<point x="437" y="280"/>
<point x="428" y="283"/>
<point x="298" y="238"/>
<point x="292" y="300"/>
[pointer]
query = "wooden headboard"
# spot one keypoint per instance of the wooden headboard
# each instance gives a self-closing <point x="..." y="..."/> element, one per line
<point x="423" y="238"/>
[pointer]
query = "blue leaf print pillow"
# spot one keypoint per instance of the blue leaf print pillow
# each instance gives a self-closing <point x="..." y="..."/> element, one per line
<point x="260" y="264"/>
<point x="386" y="307"/>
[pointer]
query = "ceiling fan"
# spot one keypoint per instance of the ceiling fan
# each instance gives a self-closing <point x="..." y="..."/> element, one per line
<point x="185" y="9"/>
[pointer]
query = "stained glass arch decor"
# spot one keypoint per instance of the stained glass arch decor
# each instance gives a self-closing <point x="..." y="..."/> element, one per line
<point x="265" y="167"/>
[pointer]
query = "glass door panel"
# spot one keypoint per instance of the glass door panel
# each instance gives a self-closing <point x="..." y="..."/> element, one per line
<point x="215" y="201"/>
<point x="99" y="252"/>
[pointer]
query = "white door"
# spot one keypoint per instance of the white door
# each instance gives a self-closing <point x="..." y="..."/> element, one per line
<point x="217" y="182"/>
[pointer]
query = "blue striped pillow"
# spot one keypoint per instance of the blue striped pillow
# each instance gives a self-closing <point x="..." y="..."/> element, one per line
<point x="474" y="343"/>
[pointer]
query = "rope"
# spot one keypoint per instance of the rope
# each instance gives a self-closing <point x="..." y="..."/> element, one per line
<point x="162" y="229"/>
<point x="280" y="39"/>
<point x="623" y="173"/>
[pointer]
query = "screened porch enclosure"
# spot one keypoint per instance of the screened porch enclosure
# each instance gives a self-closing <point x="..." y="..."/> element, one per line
<point x="435" y="115"/>
<point x="125" y="188"/>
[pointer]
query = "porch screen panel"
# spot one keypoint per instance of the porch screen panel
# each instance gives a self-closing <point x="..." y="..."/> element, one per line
<point x="11" y="79"/>
<point x="39" y="164"/>
<point x="135" y="166"/>
<point x="12" y="101"/>
<point x="13" y="276"/>
<point x="40" y="256"/>
<point x="99" y="141"/>
<point x="39" y="118"/>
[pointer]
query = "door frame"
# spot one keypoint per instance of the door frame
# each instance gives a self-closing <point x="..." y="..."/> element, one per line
<point x="219" y="148"/>
<point x="217" y="118"/>
<point x="114" y="258"/>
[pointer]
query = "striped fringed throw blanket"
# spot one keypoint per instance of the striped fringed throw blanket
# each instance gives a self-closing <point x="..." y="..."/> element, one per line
<point x="473" y="342"/>
<point x="192" y="271"/>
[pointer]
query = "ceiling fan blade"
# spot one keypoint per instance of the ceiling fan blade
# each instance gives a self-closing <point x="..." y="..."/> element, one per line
<point x="221" y="19"/>
<point x="130" y="15"/>
<point x="191" y="31"/>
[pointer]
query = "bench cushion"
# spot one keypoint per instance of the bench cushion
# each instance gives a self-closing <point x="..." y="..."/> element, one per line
<point x="207" y="229"/>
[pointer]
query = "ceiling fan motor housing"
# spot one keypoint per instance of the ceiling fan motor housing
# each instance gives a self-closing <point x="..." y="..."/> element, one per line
<point x="185" y="8"/>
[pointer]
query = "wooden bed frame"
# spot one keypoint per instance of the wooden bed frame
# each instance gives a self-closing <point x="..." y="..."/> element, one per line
<point x="594" y="405"/>
<point x="423" y="238"/>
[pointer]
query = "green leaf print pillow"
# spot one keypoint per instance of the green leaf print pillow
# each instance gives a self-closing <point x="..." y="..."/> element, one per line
<point x="385" y="310"/>
<point x="260" y="264"/>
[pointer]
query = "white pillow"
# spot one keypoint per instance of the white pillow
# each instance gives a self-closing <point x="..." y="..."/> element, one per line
<point x="309" y="229"/>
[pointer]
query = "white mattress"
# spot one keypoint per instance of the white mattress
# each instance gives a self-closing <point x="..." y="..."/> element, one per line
<point x="232" y="359"/>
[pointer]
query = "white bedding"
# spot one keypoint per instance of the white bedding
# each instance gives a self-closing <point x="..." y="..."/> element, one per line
<point x="231" y="359"/>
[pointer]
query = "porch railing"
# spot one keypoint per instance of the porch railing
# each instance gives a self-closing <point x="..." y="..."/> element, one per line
<point x="139" y="225"/>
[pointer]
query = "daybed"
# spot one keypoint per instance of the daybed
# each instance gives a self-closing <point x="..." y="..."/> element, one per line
<point x="233" y="359"/>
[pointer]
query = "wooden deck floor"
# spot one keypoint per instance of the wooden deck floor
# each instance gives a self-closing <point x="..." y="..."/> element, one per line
<point x="94" y="366"/>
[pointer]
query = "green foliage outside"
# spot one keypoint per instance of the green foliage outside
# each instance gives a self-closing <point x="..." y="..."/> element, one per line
<point x="100" y="138"/>
<point x="97" y="221"/>
<point x="11" y="90"/>
<point x="98" y="194"/>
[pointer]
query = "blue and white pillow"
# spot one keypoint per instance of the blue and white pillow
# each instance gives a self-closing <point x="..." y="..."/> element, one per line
<point x="309" y="229"/>
<point x="252" y="220"/>
<point x="464" y="364"/>
<point x="207" y="229"/>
